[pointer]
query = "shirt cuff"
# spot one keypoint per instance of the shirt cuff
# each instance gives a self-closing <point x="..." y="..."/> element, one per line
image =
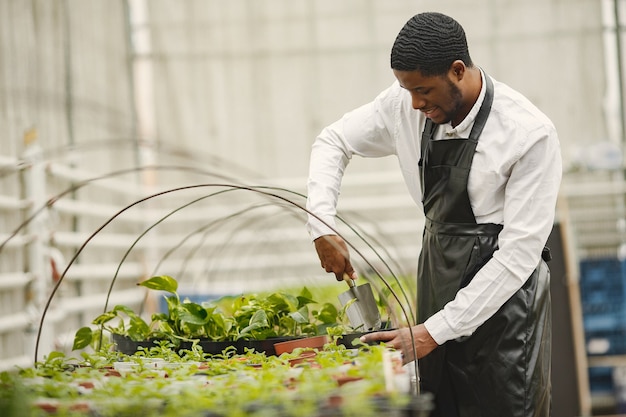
<point x="316" y="228"/>
<point x="439" y="328"/>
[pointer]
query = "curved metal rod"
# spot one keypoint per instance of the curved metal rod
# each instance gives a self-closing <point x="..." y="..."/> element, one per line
<point x="252" y="221"/>
<point x="213" y="223"/>
<point x="142" y="234"/>
<point x="230" y="216"/>
<point x="132" y="246"/>
<point x="203" y="229"/>
<point x="250" y="208"/>
<point x="391" y="290"/>
<point x="360" y="233"/>
<point x="358" y="219"/>
<point x="161" y="147"/>
<point x="52" y="200"/>
<point x="81" y="184"/>
<point x="114" y="279"/>
<point x="259" y="190"/>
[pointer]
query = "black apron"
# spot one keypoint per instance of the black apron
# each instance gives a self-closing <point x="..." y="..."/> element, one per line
<point x="503" y="369"/>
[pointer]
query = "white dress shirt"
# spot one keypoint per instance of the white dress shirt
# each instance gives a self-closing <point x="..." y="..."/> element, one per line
<point x="514" y="181"/>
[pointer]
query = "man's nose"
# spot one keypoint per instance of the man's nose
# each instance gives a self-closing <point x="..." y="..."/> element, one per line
<point x="417" y="102"/>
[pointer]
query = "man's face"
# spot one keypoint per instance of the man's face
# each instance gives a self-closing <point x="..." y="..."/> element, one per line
<point x="438" y="97"/>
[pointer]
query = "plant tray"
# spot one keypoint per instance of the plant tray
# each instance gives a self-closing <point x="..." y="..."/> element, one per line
<point x="127" y="346"/>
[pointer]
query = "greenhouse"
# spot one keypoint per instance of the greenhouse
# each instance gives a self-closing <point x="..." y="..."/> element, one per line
<point x="181" y="233"/>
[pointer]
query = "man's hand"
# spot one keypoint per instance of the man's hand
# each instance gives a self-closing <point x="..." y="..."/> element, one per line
<point x="401" y="340"/>
<point x="333" y="253"/>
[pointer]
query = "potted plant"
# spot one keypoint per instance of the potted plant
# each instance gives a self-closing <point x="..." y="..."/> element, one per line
<point x="244" y="322"/>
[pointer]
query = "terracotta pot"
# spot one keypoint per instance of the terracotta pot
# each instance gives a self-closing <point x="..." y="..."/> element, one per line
<point x="344" y="379"/>
<point x="306" y="356"/>
<point x="315" y="342"/>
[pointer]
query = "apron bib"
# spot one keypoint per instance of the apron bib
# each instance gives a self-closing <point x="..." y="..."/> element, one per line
<point x="503" y="369"/>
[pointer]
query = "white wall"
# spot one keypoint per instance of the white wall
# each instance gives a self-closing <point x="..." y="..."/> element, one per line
<point x="247" y="85"/>
<point x="255" y="81"/>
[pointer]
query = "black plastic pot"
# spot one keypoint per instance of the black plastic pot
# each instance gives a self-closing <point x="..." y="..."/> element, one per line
<point x="126" y="345"/>
<point x="348" y="339"/>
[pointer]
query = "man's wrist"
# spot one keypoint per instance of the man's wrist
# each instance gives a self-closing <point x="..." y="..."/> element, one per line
<point x="438" y="328"/>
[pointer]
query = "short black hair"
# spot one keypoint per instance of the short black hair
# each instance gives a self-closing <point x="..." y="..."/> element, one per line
<point x="429" y="43"/>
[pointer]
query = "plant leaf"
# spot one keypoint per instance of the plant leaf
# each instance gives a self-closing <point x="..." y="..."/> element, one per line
<point x="158" y="317"/>
<point x="301" y="316"/>
<point x="259" y="318"/>
<point x="138" y="328"/>
<point x="328" y="314"/>
<point x="305" y="297"/>
<point x="82" y="338"/>
<point x="54" y="355"/>
<point x="250" y="328"/>
<point x="279" y="302"/>
<point x="165" y="327"/>
<point x="127" y="310"/>
<point x="172" y="308"/>
<point x="303" y="301"/>
<point x="193" y="313"/>
<point x="105" y="317"/>
<point x="161" y="283"/>
<point x="263" y="334"/>
<point x="305" y="293"/>
<point x="288" y="325"/>
<point x="218" y="320"/>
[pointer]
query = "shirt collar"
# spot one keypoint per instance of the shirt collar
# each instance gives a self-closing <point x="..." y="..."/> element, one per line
<point x="463" y="129"/>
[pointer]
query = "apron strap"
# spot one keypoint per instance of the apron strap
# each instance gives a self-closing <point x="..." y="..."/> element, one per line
<point x="483" y="113"/>
<point x="427" y="134"/>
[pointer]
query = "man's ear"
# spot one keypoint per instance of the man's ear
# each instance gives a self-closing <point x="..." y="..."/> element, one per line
<point x="457" y="69"/>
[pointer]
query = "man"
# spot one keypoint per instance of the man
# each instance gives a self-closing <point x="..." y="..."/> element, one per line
<point x="485" y="165"/>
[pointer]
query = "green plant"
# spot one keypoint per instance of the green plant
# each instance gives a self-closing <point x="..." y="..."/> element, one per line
<point x="247" y="317"/>
<point x="249" y="384"/>
<point x="14" y="397"/>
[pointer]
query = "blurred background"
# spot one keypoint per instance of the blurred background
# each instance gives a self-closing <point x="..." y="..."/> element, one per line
<point x="144" y="137"/>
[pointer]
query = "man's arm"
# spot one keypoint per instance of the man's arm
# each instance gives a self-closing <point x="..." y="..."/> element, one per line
<point x="365" y="131"/>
